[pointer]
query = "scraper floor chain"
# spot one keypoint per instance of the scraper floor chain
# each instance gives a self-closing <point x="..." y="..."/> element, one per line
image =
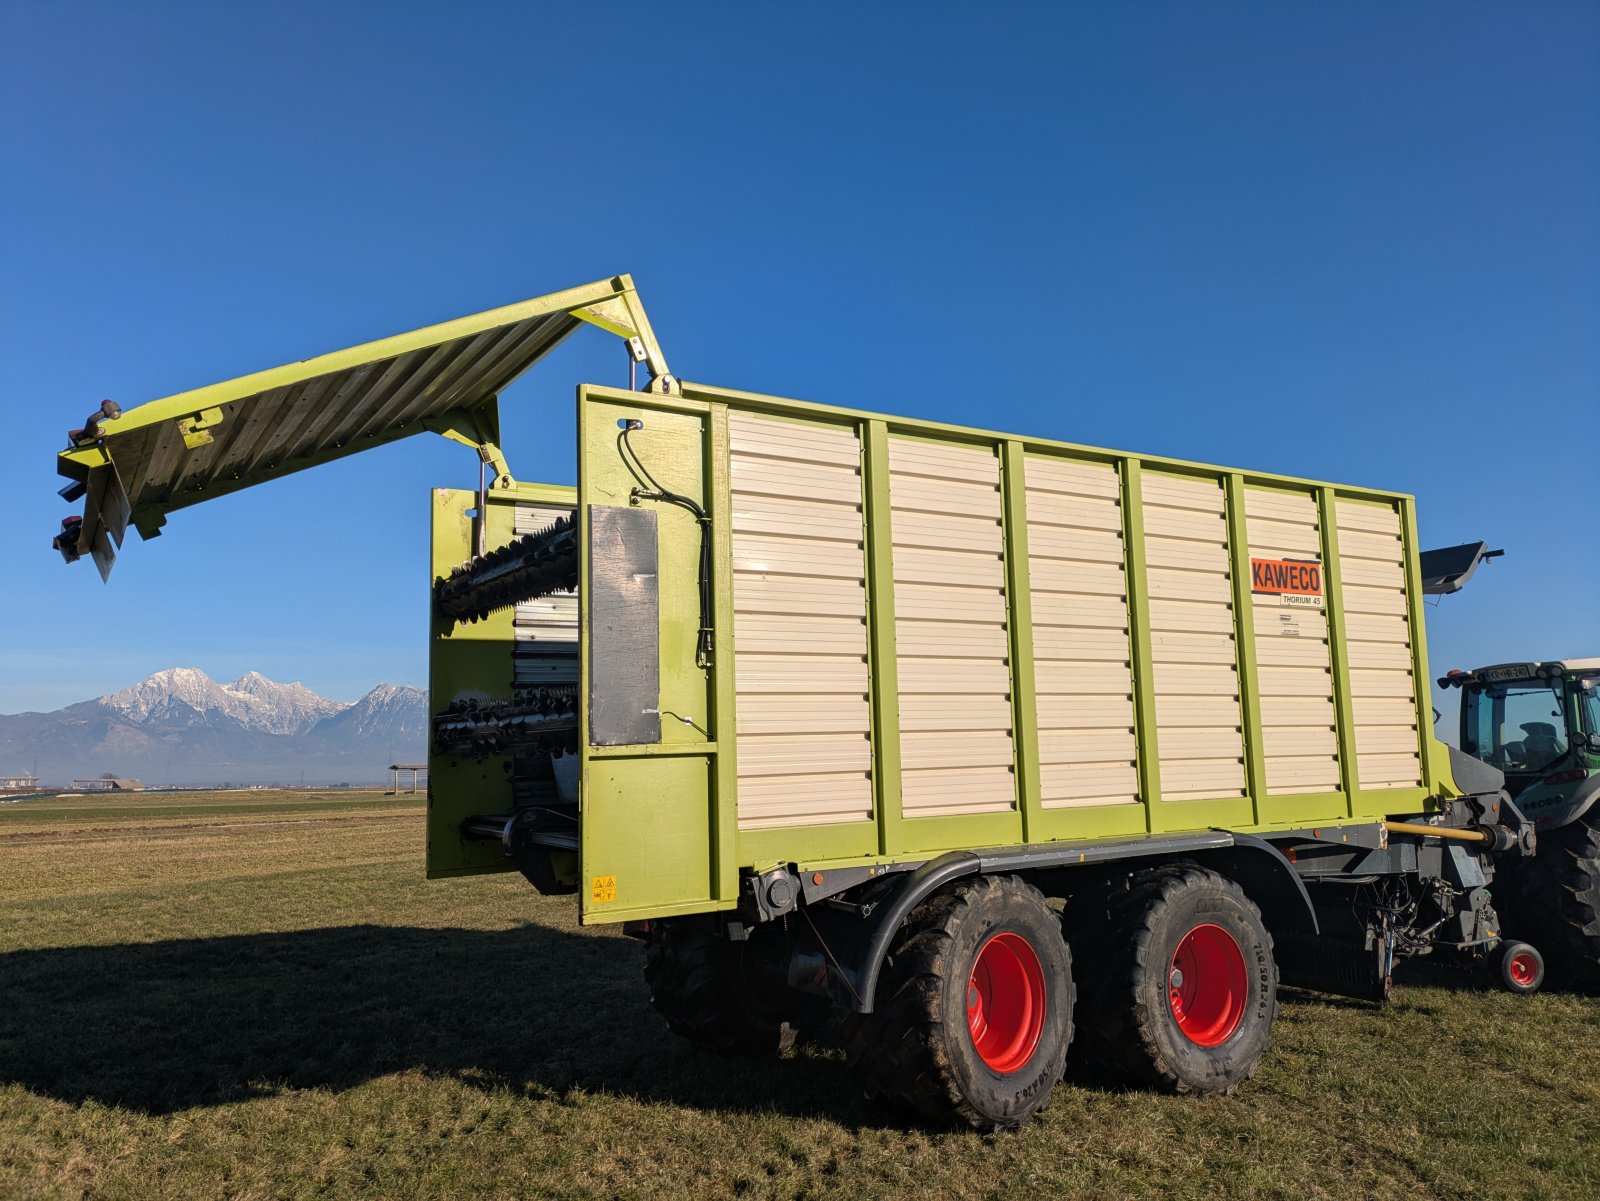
<point x="1176" y="978"/>
<point x="726" y="996"/>
<point x="524" y="569"/>
<point x="974" y="1010"/>
<point x="544" y="719"/>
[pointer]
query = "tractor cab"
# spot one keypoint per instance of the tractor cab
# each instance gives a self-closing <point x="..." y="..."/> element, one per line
<point x="1539" y="723"/>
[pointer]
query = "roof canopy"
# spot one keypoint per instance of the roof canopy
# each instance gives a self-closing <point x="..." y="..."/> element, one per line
<point x="138" y="465"/>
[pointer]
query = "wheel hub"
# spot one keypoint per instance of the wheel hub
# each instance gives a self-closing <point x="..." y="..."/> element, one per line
<point x="1207" y="985"/>
<point x="1006" y="1001"/>
<point x="1523" y="970"/>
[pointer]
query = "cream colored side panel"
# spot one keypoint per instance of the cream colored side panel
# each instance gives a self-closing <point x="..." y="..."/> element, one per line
<point x="809" y="799"/>
<point x="1294" y="664"/>
<point x="925" y="712"/>
<point x="1378" y="635"/>
<point x="947" y="792"/>
<point x="1192" y="643"/>
<point x="799" y="624"/>
<point x="952" y="648"/>
<point x="1083" y="673"/>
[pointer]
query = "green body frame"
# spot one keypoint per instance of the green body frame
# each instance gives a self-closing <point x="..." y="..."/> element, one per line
<point x="660" y="833"/>
<point x="660" y="828"/>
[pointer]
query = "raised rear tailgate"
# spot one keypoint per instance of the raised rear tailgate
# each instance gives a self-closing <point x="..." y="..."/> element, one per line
<point x="135" y="467"/>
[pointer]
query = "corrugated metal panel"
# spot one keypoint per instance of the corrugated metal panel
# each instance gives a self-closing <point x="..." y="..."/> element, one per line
<point x="801" y="799"/>
<point x="1294" y="663"/>
<point x="546" y="630"/>
<point x="790" y="713"/>
<point x="951" y="644"/>
<point x="817" y="483"/>
<point x="1082" y="661"/>
<point x="921" y="712"/>
<point x="945" y="792"/>
<point x="1378" y="635"/>
<point x="1192" y="642"/>
<point x="799" y="624"/>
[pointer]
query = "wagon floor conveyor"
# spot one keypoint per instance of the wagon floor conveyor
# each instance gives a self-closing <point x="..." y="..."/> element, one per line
<point x="525" y="569"/>
<point x="540" y="718"/>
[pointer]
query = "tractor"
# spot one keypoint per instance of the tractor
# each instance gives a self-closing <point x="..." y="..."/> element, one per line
<point x="1539" y="724"/>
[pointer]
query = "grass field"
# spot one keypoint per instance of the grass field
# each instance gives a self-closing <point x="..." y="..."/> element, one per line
<point x="256" y="995"/>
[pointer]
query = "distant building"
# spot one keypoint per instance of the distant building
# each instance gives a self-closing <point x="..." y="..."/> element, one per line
<point x="107" y="783"/>
<point x="19" y="783"/>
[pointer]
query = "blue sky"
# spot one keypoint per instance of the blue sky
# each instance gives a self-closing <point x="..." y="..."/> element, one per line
<point x="1357" y="242"/>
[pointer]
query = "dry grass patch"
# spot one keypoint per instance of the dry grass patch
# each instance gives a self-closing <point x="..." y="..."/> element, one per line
<point x="251" y="1001"/>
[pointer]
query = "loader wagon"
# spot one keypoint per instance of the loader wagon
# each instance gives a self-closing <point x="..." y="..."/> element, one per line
<point x="963" y="745"/>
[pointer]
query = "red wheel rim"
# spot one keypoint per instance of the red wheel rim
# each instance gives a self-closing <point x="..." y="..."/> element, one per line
<point x="1207" y="985"/>
<point x="1006" y="1002"/>
<point x="1524" y="971"/>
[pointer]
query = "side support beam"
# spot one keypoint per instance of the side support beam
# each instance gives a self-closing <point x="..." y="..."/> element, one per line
<point x="1144" y="681"/>
<point x="882" y="656"/>
<point x="1019" y="595"/>
<point x="1244" y="632"/>
<point x="1338" y="645"/>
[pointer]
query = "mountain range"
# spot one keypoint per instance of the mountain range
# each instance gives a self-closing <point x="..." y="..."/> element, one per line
<point x="182" y="727"/>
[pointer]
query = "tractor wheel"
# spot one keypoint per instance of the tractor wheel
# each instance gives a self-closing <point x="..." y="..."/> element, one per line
<point x="1179" y="985"/>
<point x="725" y="996"/>
<point x="1555" y="897"/>
<point x="1518" y="967"/>
<point x="973" y="1012"/>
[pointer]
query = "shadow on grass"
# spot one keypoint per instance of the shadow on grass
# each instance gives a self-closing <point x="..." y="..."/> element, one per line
<point x="167" y="1026"/>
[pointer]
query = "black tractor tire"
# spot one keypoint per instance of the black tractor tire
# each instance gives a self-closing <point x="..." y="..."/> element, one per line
<point x="973" y="1011"/>
<point x="1131" y="961"/>
<point x="726" y="996"/>
<point x="1554" y="898"/>
<point x="1518" y="967"/>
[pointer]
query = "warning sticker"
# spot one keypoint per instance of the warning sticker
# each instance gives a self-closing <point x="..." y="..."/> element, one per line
<point x="1296" y="582"/>
<point x="602" y="889"/>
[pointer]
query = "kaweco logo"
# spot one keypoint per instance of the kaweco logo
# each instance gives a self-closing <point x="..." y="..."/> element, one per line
<point x="1295" y="581"/>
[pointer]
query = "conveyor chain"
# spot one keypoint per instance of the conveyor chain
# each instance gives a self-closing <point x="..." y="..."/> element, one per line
<point x="524" y="569"/>
<point x="541" y="718"/>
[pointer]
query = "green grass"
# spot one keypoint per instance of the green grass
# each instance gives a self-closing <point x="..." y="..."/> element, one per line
<point x="258" y="997"/>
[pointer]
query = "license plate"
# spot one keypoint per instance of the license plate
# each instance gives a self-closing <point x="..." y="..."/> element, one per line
<point x="1496" y="675"/>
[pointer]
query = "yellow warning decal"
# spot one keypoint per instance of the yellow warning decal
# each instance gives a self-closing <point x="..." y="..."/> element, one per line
<point x="603" y="888"/>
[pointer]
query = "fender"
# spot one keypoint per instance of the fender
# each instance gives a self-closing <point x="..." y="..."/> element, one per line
<point x="888" y="917"/>
<point x="1268" y="879"/>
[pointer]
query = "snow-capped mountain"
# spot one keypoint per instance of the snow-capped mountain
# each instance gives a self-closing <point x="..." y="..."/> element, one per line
<point x="184" y="697"/>
<point x="182" y="727"/>
<point x="389" y="710"/>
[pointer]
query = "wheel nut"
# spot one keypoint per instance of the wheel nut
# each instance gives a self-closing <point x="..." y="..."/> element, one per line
<point x="1176" y="979"/>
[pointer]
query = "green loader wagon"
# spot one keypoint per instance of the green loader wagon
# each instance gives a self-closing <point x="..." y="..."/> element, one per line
<point x="964" y="745"/>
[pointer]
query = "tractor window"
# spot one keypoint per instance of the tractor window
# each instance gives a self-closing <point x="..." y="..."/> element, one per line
<point x="1589" y="699"/>
<point x="1517" y="727"/>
